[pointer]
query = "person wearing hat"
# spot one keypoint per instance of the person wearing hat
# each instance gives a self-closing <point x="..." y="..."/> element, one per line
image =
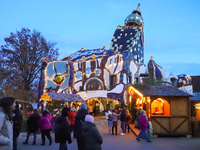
<point x="78" y="124"/>
<point x="91" y="135"/>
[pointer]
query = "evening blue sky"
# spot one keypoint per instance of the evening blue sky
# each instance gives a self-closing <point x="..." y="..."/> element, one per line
<point x="171" y="27"/>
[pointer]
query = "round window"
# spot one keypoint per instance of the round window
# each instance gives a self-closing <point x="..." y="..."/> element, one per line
<point x="78" y="74"/>
<point x="97" y="72"/>
<point x="88" y="70"/>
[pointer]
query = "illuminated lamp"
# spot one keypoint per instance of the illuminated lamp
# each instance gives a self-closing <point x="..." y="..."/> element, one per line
<point x="93" y="56"/>
<point x="83" y="58"/>
<point x="131" y="88"/>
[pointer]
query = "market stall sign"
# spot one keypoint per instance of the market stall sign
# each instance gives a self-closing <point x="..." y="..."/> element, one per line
<point x="197" y="106"/>
<point x="45" y="97"/>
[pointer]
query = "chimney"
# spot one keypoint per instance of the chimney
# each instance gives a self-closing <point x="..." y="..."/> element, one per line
<point x="144" y="81"/>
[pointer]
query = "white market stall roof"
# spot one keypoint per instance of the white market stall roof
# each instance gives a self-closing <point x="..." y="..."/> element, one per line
<point x="65" y="97"/>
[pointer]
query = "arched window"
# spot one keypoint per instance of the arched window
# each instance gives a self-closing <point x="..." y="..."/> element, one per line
<point x="160" y="107"/>
<point x="94" y="85"/>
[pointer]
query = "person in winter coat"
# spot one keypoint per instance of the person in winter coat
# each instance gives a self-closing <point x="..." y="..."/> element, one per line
<point x="114" y="121"/>
<point x="143" y="126"/>
<point x="7" y="105"/>
<point x="137" y="115"/>
<point x="78" y="124"/>
<point x="108" y="117"/>
<point x="32" y="126"/>
<point x="62" y="130"/>
<point x="45" y="123"/>
<point x="17" y="121"/>
<point x="71" y="118"/>
<point x="127" y="122"/>
<point x="123" y="119"/>
<point x="91" y="135"/>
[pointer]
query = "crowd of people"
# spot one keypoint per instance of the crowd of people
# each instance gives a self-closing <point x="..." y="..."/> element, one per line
<point x="113" y="115"/>
<point x="139" y="118"/>
<point x="81" y="123"/>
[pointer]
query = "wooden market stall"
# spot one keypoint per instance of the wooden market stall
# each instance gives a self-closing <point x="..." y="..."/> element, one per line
<point x="62" y="97"/>
<point x="168" y="109"/>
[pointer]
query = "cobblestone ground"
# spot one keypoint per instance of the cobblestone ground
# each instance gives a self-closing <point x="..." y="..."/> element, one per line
<point x="102" y="125"/>
<point x="100" y="122"/>
<point x="113" y="142"/>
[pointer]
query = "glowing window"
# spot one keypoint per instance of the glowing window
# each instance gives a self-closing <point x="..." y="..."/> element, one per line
<point x="160" y="107"/>
<point x="78" y="74"/>
<point x="94" y="85"/>
<point x="88" y="70"/>
<point x="120" y="47"/>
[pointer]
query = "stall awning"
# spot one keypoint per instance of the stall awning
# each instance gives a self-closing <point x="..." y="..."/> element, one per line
<point x="65" y="97"/>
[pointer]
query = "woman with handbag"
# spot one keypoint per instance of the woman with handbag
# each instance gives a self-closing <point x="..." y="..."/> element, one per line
<point x="114" y="121"/>
<point x="45" y="123"/>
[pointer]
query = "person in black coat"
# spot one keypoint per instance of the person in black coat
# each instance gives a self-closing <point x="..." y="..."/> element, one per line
<point x="78" y="124"/>
<point x="123" y="119"/>
<point x="62" y="130"/>
<point x="17" y="121"/>
<point x="32" y="126"/>
<point x="91" y="135"/>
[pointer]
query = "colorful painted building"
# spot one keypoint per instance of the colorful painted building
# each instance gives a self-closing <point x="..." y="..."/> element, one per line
<point x="106" y="78"/>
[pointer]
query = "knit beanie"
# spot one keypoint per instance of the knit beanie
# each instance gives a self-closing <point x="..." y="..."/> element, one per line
<point x="89" y="118"/>
<point x="83" y="106"/>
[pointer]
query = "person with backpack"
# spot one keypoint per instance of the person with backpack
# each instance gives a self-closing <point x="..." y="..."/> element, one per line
<point x="32" y="126"/>
<point x="62" y="130"/>
<point x="17" y="121"/>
